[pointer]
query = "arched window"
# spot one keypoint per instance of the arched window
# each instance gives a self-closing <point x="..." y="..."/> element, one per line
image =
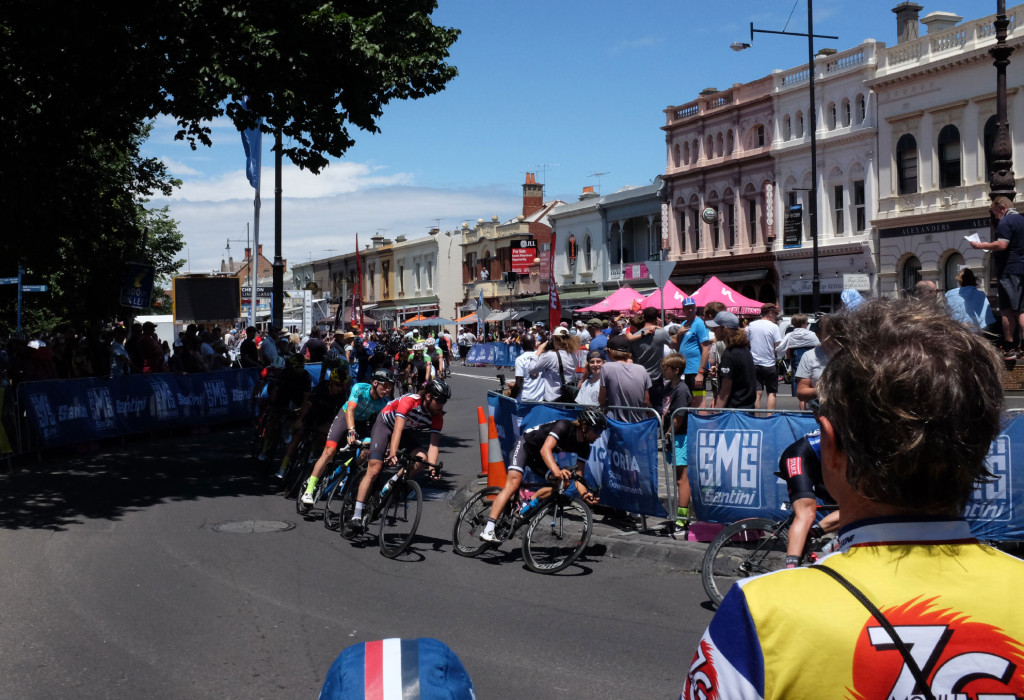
<point x="787" y="128"/>
<point x="906" y="164"/>
<point x="830" y="114"/>
<point x="950" y="270"/>
<point x="615" y="246"/>
<point x="758" y="136"/>
<point x="730" y="143"/>
<point x="799" y="129"/>
<point x="686" y="153"/>
<point x="911" y="274"/>
<point x="695" y="150"/>
<point x="862" y="109"/>
<point x="675" y="156"/>
<point x="709" y="150"/>
<point x="846" y="111"/>
<point x="949" y="156"/>
<point x="719" y="145"/>
<point x="588" y="263"/>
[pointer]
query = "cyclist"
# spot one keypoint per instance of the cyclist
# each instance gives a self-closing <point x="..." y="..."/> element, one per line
<point x="536" y="449"/>
<point x="800" y="466"/>
<point x="285" y="391"/>
<point x="319" y="408"/>
<point x="433" y="356"/>
<point x="398" y="423"/>
<point x="417" y="367"/>
<point x="355" y="420"/>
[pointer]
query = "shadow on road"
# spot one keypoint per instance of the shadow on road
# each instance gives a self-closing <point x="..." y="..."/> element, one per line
<point x="62" y="491"/>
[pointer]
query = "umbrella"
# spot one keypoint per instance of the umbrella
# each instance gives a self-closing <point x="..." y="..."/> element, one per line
<point x="468" y="318"/>
<point x="621" y="300"/>
<point x="432" y="321"/>
<point x="673" y="298"/>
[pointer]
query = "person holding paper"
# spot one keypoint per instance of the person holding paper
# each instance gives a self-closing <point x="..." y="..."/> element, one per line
<point x="1008" y="265"/>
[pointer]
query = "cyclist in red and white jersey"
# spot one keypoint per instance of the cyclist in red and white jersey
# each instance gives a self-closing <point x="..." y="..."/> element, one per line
<point x="403" y="422"/>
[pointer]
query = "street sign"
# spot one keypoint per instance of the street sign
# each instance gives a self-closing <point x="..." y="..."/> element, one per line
<point x="482" y="312"/>
<point x="261" y="292"/>
<point x="8" y="280"/>
<point x="660" y="271"/>
<point x="35" y="288"/>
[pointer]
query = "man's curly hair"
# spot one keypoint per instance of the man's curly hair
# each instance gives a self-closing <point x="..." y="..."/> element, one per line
<point x="915" y="400"/>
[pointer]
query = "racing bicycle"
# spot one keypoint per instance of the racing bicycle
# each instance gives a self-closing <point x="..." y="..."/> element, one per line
<point x="331" y="486"/>
<point x="557" y="531"/>
<point x="393" y="504"/>
<point x="753" y="546"/>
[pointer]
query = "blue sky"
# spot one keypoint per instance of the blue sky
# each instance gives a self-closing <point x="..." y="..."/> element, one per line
<point x="563" y="88"/>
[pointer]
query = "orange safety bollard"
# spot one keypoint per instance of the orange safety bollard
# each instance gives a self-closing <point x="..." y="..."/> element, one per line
<point x="482" y="420"/>
<point x="495" y="462"/>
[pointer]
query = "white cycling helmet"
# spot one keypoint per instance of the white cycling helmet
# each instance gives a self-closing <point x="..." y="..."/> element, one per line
<point x="417" y="347"/>
<point x="430" y="341"/>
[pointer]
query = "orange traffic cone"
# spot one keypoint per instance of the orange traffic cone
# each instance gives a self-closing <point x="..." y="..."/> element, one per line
<point x="495" y="462"/>
<point x="482" y="420"/>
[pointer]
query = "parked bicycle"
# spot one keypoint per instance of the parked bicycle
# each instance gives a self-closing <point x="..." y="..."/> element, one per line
<point x="753" y="546"/>
<point x="558" y="526"/>
<point x="394" y="504"/>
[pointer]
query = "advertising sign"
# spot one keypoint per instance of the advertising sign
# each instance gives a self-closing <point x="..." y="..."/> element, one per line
<point x="137" y="286"/>
<point x="523" y="253"/>
<point x="794" y="227"/>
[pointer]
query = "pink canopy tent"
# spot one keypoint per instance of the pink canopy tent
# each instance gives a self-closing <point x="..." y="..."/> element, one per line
<point x="621" y="300"/>
<point x="673" y="297"/>
<point x="716" y="290"/>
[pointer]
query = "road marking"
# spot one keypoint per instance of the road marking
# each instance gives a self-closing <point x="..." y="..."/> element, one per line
<point x="473" y="376"/>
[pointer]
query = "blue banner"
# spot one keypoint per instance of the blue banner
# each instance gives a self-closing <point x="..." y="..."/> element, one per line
<point x="497" y="354"/>
<point x="733" y="458"/>
<point x="623" y="463"/>
<point x="69" y="411"/>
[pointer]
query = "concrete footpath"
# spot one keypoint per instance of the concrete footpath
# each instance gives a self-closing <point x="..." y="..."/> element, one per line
<point x="623" y="538"/>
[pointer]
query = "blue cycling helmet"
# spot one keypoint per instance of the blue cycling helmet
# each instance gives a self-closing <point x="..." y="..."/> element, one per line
<point x="423" y="668"/>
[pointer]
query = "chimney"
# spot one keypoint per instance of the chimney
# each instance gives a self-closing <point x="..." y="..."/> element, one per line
<point x="588" y="193"/>
<point x="906" y="21"/>
<point x="259" y="251"/>
<point x="533" y="195"/>
<point x="248" y="253"/>
<point x="940" y="21"/>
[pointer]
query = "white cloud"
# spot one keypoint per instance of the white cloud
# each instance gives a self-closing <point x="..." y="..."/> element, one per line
<point x="177" y="168"/>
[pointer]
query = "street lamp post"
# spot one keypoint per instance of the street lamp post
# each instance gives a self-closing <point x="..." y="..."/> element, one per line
<point x="1001" y="179"/>
<point x="812" y="209"/>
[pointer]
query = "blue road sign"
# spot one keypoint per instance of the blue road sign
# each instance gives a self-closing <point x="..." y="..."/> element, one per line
<point x="8" y="280"/>
<point x="35" y="288"/>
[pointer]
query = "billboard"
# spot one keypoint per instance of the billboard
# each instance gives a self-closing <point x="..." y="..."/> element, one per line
<point x="523" y="253"/>
<point x="206" y="299"/>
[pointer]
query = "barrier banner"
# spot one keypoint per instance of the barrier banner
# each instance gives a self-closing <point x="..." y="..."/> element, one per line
<point x="623" y="463"/>
<point x="733" y="458"/>
<point x="497" y="354"/>
<point x="69" y="411"/>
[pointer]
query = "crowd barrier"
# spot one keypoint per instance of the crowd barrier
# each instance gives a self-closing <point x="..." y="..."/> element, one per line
<point x="733" y="457"/>
<point x="497" y="354"/>
<point x="623" y="462"/>
<point x="69" y="411"/>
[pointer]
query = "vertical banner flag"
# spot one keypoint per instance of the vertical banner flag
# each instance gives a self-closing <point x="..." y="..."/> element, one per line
<point x="480" y="318"/>
<point x="555" y="306"/>
<point x="252" y="142"/>
<point x="357" y="292"/>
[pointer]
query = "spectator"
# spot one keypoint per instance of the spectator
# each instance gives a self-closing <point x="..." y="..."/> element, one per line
<point x="695" y="347"/>
<point x="315" y="347"/>
<point x="968" y="304"/>
<point x="120" y="363"/>
<point x="1008" y="267"/>
<point x="648" y="347"/>
<point x="465" y="341"/>
<point x="910" y="407"/>
<point x="624" y="383"/>
<point x="583" y="334"/>
<point x="590" y="385"/>
<point x="248" y="354"/>
<point x="677" y="396"/>
<point x="795" y="344"/>
<point x="715" y="351"/>
<point x="812" y="363"/>
<point x="736" y="374"/>
<point x="525" y="387"/>
<point x="599" y="331"/>
<point x="764" y="338"/>
<point x="152" y="353"/>
<point x="555" y="364"/>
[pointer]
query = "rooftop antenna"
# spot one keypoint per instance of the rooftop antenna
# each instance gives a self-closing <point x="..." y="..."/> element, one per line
<point x="598" y="176"/>
<point x="543" y="167"/>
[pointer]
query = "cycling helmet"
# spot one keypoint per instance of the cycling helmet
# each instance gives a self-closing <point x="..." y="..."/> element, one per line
<point x="337" y="376"/>
<point x="440" y="389"/>
<point x="418" y="347"/>
<point x="592" y="418"/>
<point x="430" y="341"/>
<point x="297" y="360"/>
<point x="384" y="375"/>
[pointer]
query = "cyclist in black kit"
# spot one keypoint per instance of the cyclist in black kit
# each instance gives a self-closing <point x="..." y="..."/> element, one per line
<point x="535" y="450"/>
<point x="800" y="466"/>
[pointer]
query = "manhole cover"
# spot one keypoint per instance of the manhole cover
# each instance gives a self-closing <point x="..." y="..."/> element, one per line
<point x="247" y="527"/>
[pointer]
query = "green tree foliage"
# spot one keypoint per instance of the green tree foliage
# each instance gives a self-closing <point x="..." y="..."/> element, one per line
<point x="78" y="82"/>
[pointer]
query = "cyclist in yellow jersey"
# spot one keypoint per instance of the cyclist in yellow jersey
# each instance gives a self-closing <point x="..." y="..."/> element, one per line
<point x="910" y="405"/>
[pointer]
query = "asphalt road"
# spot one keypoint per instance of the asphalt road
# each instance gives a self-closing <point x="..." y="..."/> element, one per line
<point x="117" y="585"/>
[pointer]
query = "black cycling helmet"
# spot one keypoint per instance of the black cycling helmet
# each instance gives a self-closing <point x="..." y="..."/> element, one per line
<point x="384" y="375"/>
<point x="297" y="360"/>
<point x="438" y="388"/>
<point x="592" y="418"/>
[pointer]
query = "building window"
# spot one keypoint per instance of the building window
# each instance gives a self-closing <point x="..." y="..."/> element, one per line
<point x="859" y="210"/>
<point x="696" y="229"/>
<point x="837" y="209"/>
<point x="799" y="125"/>
<point x="710" y="150"/>
<point x="949" y="156"/>
<point x="752" y="221"/>
<point x="862" y="109"/>
<point x="401" y="277"/>
<point x="654" y="240"/>
<point x="587" y="253"/>
<point x="731" y="224"/>
<point x="787" y="128"/>
<point x="418" y="279"/>
<point x="686" y="153"/>
<point x="759" y="136"/>
<point x="675" y="155"/>
<point x="719" y="145"/>
<point x="695" y="150"/>
<point x="831" y="115"/>
<point x="950" y="270"/>
<point x="430" y="273"/>
<point x="906" y="164"/>
<point x="716" y="229"/>
<point x="911" y="274"/>
<point x="846" y="112"/>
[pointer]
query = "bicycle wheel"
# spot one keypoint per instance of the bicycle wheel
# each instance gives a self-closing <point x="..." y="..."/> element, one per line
<point x="348" y="501"/>
<point x="556" y="535"/>
<point x="400" y="517"/>
<point x="472" y="518"/>
<point x="335" y="500"/>
<point x="745" y="548"/>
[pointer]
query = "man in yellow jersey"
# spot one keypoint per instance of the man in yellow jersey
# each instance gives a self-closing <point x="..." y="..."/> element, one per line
<point x="910" y="405"/>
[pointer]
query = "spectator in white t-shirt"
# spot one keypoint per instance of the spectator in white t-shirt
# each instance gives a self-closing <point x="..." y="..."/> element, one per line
<point x="525" y="388"/>
<point x="764" y="338"/>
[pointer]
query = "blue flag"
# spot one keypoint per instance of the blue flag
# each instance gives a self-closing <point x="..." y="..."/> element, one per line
<point x="252" y="142"/>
